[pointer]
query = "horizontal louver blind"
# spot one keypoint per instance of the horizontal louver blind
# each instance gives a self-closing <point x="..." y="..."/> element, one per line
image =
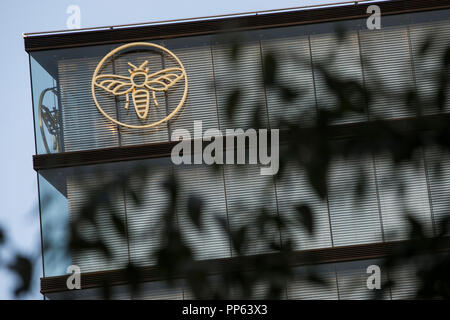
<point x="144" y="218"/>
<point x="429" y="66"/>
<point x="262" y="290"/>
<point x="215" y="286"/>
<point x="294" y="72"/>
<point x="294" y="189"/>
<point x="405" y="282"/>
<point x="302" y="288"/>
<point x="78" y="192"/>
<point x="244" y="74"/>
<point x="160" y="290"/>
<point x="115" y="293"/>
<point x="247" y="192"/>
<point x="343" y="62"/>
<point x="84" y="126"/>
<point x="438" y="169"/>
<point x="201" y="100"/>
<point x="205" y="185"/>
<point x="387" y="70"/>
<point x="403" y="190"/>
<point x="354" y="218"/>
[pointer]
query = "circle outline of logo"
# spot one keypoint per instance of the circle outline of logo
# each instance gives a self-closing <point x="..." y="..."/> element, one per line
<point x="140" y="44"/>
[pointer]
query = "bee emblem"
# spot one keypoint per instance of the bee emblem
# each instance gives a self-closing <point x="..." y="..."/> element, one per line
<point x="141" y="84"/>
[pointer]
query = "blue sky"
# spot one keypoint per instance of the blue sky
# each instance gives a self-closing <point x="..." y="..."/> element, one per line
<point x="19" y="215"/>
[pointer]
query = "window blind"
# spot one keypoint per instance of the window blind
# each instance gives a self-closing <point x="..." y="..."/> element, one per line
<point x="343" y="63"/>
<point x="144" y="218"/>
<point x="201" y="99"/>
<point x="354" y="219"/>
<point x="84" y="127"/>
<point x="78" y="192"/>
<point x="160" y="290"/>
<point x="438" y="170"/>
<point x="294" y="189"/>
<point x="247" y="192"/>
<point x="303" y="289"/>
<point x="427" y="67"/>
<point x="405" y="282"/>
<point x="293" y="71"/>
<point x="244" y="74"/>
<point x="387" y="70"/>
<point x="403" y="190"/>
<point x="207" y="186"/>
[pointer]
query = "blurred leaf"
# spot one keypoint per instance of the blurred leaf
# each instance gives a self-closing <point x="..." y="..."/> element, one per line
<point x="173" y="256"/>
<point x="134" y="278"/>
<point x="232" y="102"/>
<point x="198" y="283"/>
<point x="361" y="184"/>
<point x="425" y="46"/>
<point x="412" y="101"/>
<point x="222" y="222"/>
<point x="341" y="33"/>
<point x="446" y="58"/>
<point x="435" y="278"/>
<point x="269" y="69"/>
<point x="239" y="239"/>
<point x="305" y="217"/>
<point x="23" y="268"/>
<point x="443" y="225"/>
<point x="106" y="289"/>
<point x="78" y="244"/>
<point x="235" y="50"/>
<point x="87" y="212"/>
<point x="2" y="237"/>
<point x="258" y="114"/>
<point x="195" y="205"/>
<point x="416" y="228"/>
<point x="287" y="94"/>
<point x="316" y="279"/>
<point x="316" y="170"/>
<point x="136" y="198"/>
<point x="118" y="224"/>
<point x="170" y="184"/>
<point x="275" y="246"/>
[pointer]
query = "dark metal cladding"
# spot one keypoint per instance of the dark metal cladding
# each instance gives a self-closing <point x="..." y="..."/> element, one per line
<point x="163" y="149"/>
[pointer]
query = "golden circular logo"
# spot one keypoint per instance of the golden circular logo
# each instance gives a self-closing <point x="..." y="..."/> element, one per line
<point x="141" y="83"/>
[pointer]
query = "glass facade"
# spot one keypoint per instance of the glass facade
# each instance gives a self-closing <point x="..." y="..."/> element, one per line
<point x="67" y="120"/>
<point x="383" y="59"/>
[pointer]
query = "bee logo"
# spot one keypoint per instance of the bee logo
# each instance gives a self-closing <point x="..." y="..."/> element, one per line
<point x="141" y="83"/>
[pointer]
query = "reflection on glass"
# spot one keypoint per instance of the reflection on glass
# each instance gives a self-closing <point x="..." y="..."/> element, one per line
<point x="54" y="221"/>
<point x="49" y="120"/>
